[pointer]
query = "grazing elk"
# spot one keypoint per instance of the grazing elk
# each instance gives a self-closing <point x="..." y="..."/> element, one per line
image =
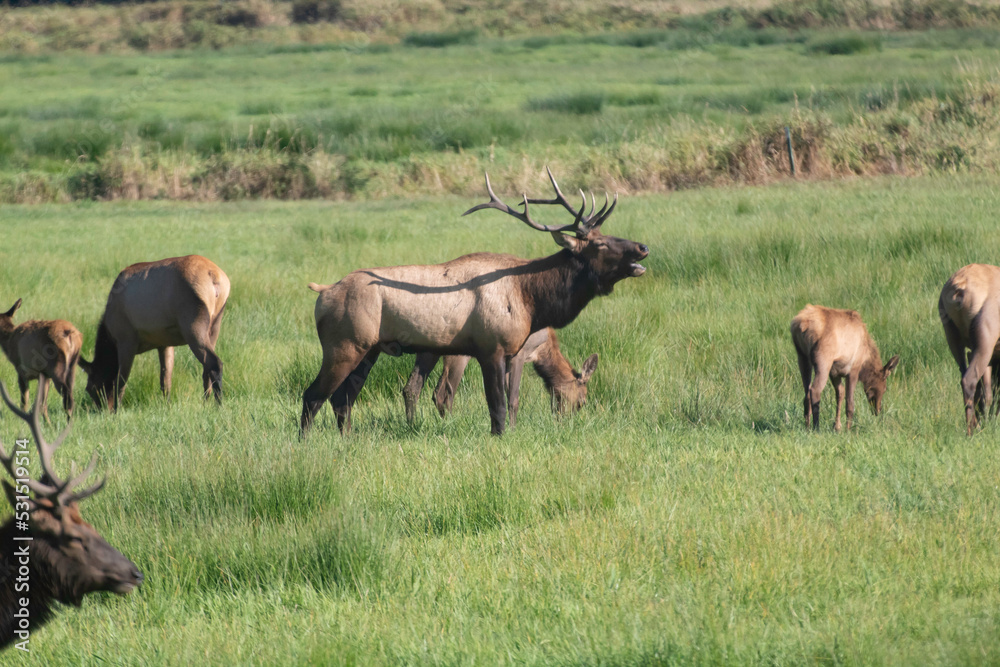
<point x="969" y="307"/>
<point x="836" y="345"/>
<point x="43" y="350"/>
<point x="567" y="387"/>
<point x="64" y="557"/>
<point x="483" y="305"/>
<point x="159" y="305"/>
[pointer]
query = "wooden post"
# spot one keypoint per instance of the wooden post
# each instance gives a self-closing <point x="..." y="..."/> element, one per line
<point x="791" y="155"/>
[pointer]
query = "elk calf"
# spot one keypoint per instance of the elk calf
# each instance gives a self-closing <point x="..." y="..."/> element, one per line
<point x="969" y="307"/>
<point x="159" y="305"/>
<point x="43" y="350"/>
<point x="65" y="557"/>
<point x="836" y="345"/>
<point x="567" y="387"/>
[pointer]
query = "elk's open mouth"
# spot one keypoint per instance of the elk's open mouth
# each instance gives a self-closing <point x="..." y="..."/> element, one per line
<point x="124" y="587"/>
<point x="637" y="269"/>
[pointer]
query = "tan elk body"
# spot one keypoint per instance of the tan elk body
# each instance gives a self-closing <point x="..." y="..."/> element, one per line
<point x="44" y="350"/>
<point x="159" y="306"/>
<point x="482" y="305"/>
<point x="66" y="558"/>
<point x="835" y="344"/>
<point x="566" y="386"/>
<point x="969" y="308"/>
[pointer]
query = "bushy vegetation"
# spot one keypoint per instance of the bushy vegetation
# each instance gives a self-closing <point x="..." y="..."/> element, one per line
<point x="611" y="110"/>
<point x="685" y="515"/>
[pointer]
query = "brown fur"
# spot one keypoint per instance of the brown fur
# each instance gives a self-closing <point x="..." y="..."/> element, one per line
<point x="159" y="305"/>
<point x="66" y="557"/>
<point x="567" y="387"/>
<point x="42" y="350"/>
<point x="483" y="305"/>
<point x="969" y="307"/>
<point x="835" y="345"/>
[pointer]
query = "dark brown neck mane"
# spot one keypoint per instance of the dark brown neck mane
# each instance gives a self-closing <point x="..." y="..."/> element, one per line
<point x="105" y="351"/>
<point x="40" y="586"/>
<point x="558" y="288"/>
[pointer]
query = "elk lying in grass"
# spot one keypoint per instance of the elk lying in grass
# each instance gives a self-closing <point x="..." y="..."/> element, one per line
<point x="836" y="345"/>
<point x="43" y="350"/>
<point x="483" y="305"/>
<point x="969" y="307"/>
<point x="567" y="387"/>
<point x="65" y="558"/>
<point x="159" y="305"/>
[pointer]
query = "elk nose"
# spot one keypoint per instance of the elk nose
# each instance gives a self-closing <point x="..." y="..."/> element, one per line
<point x="644" y="249"/>
<point x="137" y="575"/>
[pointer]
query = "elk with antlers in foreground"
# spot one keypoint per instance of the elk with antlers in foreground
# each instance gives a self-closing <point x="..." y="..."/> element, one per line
<point x="483" y="305"/>
<point x="836" y="345"/>
<point x="566" y="386"/>
<point x="42" y="349"/>
<point x="65" y="558"/>
<point x="159" y="305"/>
<point x="969" y="307"/>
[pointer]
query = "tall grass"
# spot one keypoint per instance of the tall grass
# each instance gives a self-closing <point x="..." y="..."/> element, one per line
<point x="685" y="515"/>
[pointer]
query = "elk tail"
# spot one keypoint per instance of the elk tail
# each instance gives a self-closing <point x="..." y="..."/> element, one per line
<point x="315" y="287"/>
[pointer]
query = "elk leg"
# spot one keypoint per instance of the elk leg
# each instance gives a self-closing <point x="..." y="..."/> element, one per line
<point x="805" y="370"/>
<point x="423" y="366"/>
<point x="126" y="357"/>
<point x="816" y="389"/>
<point x="345" y="395"/>
<point x="337" y="365"/>
<point x="213" y="333"/>
<point x="211" y="375"/>
<point x="22" y="384"/>
<point x="852" y="383"/>
<point x="493" y="382"/>
<point x="43" y="389"/>
<point x="838" y="386"/>
<point x="166" y="369"/>
<point x="515" y="367"/>
<point x="451" y="375"/>
<point x="70" y="382"/>
<point x="984" y="340"/>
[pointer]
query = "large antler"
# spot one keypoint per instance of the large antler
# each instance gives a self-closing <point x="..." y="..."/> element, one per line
<point x="59" y="492"/>
<point x="581" y="225"/>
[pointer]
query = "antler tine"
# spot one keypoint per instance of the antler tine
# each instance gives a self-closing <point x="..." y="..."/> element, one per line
<point x="65" y="493"/>
<point x="39" y="488"/>
<point x="46" y="449"/>
<point x="561" y="199"/>
<point x="495" y="202"/>
<point x="602" y="216"/>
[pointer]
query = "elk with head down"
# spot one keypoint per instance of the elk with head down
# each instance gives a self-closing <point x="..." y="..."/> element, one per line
<point x="42" y="349"/>
<point x="483" y="305"/>
<point x="836" y="345"/>
<point x="158" y="306"/>
<point x="969" y="308"/>
<point x="566" y="386"/>
<point x="65" y="558"/>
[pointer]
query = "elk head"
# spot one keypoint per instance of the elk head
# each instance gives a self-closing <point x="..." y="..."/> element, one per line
<point x="7" y="319"/>
<point x="874" y="381"/>
<point x="572" y="396"/>
<point x="610" y="258"/>
<point x="70" y="554"/>
<point x="102" y="373"/>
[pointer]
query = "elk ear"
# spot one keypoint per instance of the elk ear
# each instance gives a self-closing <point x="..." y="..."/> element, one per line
<point x="571" y="243"/>
<point x="891" y="365"/>
<point x="13" y="309"/>
<point x="85" y="365"/>
<point x="589" y="366"/>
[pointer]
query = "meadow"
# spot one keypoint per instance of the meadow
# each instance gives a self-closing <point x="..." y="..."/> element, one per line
<point x="686" y="515"/>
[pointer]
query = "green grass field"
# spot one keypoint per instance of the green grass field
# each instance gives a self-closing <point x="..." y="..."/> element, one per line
<point x="686" y="516"/>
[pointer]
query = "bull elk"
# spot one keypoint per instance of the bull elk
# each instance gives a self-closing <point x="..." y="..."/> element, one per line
<point x="566" y="386"/>
<point x="836" y="345"/>
<point x="483" y="305"/>
<point x="64" y="558"/>
<point x="969" y="307"/>
<point x="159" y="305"/>
<point x="43" y="350"/>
